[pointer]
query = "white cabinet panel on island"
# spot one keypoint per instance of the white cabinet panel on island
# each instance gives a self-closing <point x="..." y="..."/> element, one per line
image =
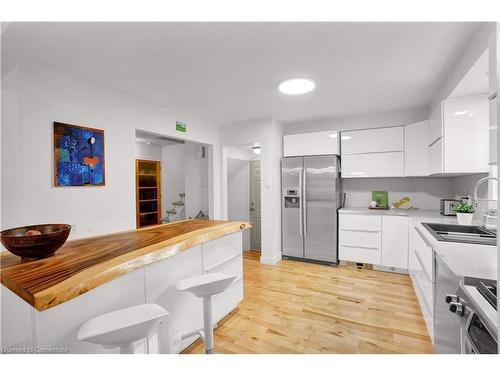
<point x="184" y="308"/>
<point x="57" y="327"/>
<point x="307" y="144"/>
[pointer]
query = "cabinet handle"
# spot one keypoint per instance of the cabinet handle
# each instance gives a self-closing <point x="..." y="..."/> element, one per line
<point x="423" y="268"/>
<point x="360" y="247"/>
<point x="422" y="236"/>
<point x="304" y="171"/>
<point x="435" y="141"/>
<point x="223" y="263"/>
<point x="301" y="202"/>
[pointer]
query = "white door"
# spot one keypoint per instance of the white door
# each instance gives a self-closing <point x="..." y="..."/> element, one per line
<point x="255" y="233"/>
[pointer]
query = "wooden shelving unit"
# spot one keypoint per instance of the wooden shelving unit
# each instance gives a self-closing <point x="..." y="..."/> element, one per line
<point x="148" y="192"/>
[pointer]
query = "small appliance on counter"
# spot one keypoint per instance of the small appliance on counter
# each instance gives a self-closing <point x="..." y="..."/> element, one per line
<point x="447" y="205"/>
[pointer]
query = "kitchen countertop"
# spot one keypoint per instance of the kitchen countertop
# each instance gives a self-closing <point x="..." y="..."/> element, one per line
<point x="84" y="264"/>
<point x="417" y="212"/>
<point x="470" y="260"/>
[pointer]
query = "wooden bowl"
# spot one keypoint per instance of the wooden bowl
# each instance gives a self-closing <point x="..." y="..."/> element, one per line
<point x="38" y="246"/>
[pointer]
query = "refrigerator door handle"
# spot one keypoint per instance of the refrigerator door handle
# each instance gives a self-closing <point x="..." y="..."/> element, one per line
<point x="304" y="203"/>
<point x="301" y="204"/>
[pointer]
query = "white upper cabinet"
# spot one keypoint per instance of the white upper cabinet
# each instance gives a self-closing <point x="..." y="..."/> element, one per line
<point x="373" y="152"/>
<point x="435" y="155"/>
<point x="493" y="89"/>
<point x="416" y="149"/>
<point x="372" y="140"/>
<point x="466" y="134"/>
<point x="382" y="164"/>
<point x="459" y="143"/>
<point x="319" y="143"/>
<point x="493" y="64"/>
<point x="435" y="125"/>
<point x="493" y="130"/>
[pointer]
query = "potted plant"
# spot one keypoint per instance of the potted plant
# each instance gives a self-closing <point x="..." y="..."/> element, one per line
<point x="464" y="212"/>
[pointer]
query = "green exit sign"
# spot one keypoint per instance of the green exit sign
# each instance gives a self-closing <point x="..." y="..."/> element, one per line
<point x="180" y="126"/>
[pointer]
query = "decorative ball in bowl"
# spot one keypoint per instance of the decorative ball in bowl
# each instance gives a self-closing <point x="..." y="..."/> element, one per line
<point x="35" y="241"/>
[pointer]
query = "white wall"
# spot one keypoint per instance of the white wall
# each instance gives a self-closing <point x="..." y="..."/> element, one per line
<point x="173" y="176"/>
<point x="238" y="194"/>
<point x="38" y="96"/>
<point x="474" y="49"/>
<point x="147" y="152"/>
<point x="269" y="134"/>
<point x="196" y="181"/>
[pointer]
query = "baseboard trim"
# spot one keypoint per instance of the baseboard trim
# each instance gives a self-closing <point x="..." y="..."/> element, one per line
<point x="270" y="260"/>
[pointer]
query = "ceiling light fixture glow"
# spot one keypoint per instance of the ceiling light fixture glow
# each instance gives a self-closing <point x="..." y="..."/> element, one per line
<point x="256" y="149"/>
<point x="296" y="86"/>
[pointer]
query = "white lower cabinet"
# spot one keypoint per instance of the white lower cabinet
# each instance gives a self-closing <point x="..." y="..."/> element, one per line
<point x="395" y="241"/>
<point x="420" y="266"/>
<point x="359" y="238"/>
<point x="374" y="238"/>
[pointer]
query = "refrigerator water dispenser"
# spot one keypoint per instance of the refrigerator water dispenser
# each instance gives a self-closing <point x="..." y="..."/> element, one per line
<point x="292" y="202"/>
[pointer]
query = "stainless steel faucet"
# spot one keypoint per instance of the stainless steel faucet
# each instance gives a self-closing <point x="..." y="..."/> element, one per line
<point x="478" y="183"/>
<point x="490" y="214"/>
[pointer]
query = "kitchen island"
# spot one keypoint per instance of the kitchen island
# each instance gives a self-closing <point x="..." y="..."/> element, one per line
<point x="44" y="302"/>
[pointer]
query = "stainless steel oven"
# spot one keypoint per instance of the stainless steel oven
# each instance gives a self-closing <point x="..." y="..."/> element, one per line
<point x="476" y="308"/>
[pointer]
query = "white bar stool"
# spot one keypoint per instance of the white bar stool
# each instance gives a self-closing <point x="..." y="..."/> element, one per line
<point x="121" y="328"/>
<point x="206" y="286"/>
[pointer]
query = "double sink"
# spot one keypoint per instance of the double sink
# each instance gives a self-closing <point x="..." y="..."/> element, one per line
<point x="471" y="234"/>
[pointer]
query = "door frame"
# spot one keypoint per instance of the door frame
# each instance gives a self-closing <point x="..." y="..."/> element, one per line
<point x="253" y="231"/>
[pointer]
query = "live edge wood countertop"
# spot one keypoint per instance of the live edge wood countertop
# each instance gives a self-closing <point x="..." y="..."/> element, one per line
<point x="82" y="265"/>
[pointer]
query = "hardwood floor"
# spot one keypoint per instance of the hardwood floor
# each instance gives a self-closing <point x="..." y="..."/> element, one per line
<point x="296" y="307"/>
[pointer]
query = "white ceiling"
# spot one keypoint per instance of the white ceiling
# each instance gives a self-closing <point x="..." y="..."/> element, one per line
<point x="157" y="140"/>
<point x="476" y="80"/>
<point x="227" y="72"/>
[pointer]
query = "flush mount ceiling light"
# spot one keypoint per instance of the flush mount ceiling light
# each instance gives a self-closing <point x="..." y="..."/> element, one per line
<point x="296" y="86"/>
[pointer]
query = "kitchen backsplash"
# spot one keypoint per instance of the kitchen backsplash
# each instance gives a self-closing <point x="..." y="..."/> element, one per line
<point x="424" y="192"/>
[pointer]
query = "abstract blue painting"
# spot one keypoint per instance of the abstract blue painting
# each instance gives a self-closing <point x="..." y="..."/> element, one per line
<point x="78" y="155"/>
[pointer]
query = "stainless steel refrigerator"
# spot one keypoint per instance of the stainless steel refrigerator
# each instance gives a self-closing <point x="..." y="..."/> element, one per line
<point x="310" y="198"/>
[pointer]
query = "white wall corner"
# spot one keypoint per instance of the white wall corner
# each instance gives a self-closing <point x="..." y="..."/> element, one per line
<point x="270" y="260"/>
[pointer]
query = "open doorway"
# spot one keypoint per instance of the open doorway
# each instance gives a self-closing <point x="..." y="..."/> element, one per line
<point x="243" y="192"/>
<point x="182" y="186"/>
